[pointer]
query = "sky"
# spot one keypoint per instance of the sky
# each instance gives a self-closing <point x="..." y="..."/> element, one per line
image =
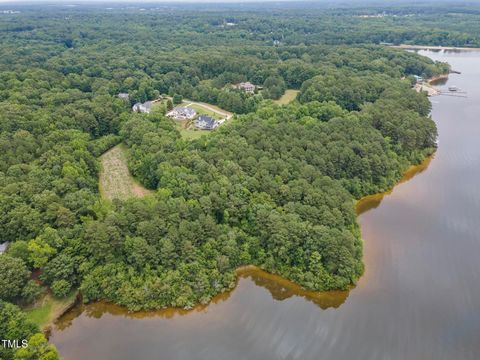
<point x="193" y="1"/>
<point x="343" y="2"/>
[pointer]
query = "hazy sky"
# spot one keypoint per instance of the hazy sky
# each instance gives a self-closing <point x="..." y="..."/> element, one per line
<point x="344" y="2"/>
<point x="148" y="1"/>
<point x="157" y="1"/>
<point x="4" y="2"/>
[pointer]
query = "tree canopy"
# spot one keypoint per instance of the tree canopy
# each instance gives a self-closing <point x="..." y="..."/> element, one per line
<point x="275" y="186"/>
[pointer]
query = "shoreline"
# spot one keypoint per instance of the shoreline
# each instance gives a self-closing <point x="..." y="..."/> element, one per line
<point x="437" y="78"/>
<point x="47" y="328"/>
<point x="370" y="202"/>
<point x="324" y="299"/>
<point x="278" y="286"/>
<point x="320" y="298"/>
<point x="439" y="48"/>
<point x="428" y="85"/>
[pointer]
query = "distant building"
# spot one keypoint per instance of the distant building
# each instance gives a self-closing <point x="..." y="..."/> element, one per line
<point x="143" y="108"/>
<point x="419" y="79"/>
<point x="3" y="247"/>
<point x="182" y="113"/>
<point x="123" y="96"/>
<point x="206" y="123"/>
<point x="246" y="86"/>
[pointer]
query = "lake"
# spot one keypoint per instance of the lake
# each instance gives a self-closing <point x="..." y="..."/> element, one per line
<point x="418" y="299"/>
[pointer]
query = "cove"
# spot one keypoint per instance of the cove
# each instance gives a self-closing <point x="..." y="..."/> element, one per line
<point x="418" y="299"/>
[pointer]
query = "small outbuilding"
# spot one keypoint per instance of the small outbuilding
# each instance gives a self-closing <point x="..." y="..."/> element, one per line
<point x="418" y="79"/>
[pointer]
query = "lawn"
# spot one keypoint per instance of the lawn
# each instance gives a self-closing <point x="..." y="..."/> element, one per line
<point x="288" y="97"/>
<point x="48" y="309"/>
<point x="116" y="182"/>
<point x="189" y="134"/>
<point x="204" y="111"/>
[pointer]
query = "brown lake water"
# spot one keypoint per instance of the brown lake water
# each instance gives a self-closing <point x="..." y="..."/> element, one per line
<point x="419" y="298"/>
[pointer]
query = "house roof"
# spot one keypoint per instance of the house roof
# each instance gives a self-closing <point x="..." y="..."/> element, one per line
<point x="182" y="112"/>
<point x="185" y="110"/>
<point x="246" y="86"/>
<point x="145" y="107"/>
<point x="206" y="122"/>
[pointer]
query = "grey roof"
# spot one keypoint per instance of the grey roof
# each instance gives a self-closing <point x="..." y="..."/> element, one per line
<point x="123" y="95"/>
<point x="185" y="110"/>
<point x="148" y="105"/>
<point x="206" y="122"/>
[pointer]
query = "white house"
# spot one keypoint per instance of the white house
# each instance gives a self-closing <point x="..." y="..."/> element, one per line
<point x="182" y="113"/>
<point x="143" y="108"/>
<point x="246" y="86"/>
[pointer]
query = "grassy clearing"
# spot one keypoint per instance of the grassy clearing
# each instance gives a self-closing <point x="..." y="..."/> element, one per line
<point x="207" y="107"/>
<point x="288" y="97"/>
<point x="46" y="310"/>
<point x="221" y="112"/>
<point x="187" y="133"/>
<point x="115" y="179"/>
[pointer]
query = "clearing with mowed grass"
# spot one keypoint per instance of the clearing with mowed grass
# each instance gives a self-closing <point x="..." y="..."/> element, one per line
<point x="116" y="182"/>
<point x="288" y="97"/>
<point x="46" y="310"/>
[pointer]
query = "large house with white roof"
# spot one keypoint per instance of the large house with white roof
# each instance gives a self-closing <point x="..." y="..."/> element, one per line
<point x="182" y="113"/>
<point x="146" y="107"/>
<point x="246" y="86"/>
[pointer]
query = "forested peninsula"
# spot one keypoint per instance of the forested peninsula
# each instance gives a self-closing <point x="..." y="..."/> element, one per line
<point x="275" y="186"/>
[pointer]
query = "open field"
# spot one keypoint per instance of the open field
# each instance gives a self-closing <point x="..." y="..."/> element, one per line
<point x="116" y="182"/>
<point x="46" y="310"/>
<point x="288" y="97"/>
<point x="188" y="134"/>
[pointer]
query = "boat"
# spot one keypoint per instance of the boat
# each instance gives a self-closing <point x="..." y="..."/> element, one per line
<point x="453" y="88"/>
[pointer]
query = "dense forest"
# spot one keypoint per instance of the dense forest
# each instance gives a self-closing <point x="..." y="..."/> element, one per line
<point x="275" y="187"/>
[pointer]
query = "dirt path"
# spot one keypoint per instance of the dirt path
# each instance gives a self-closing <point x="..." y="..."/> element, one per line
<point x="431" y="91"/>
<point x="213" y="108"/>
<point x="116" y="182"/>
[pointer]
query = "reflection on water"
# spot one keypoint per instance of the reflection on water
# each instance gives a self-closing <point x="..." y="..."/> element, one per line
<point x="439" y="81"/>
<point x="418" y="298"/>
<point x="278" y="287"/>
<point x="282" y="289"/>
<point x="372" y="201"/>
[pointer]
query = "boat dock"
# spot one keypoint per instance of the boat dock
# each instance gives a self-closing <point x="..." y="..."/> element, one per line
<point x="433" y="91"/>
